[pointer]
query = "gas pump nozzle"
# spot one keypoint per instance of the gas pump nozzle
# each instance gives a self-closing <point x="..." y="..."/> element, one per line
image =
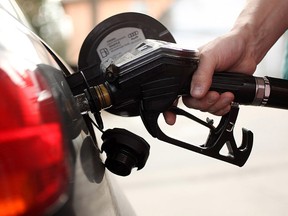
<point x="149" y="78"/>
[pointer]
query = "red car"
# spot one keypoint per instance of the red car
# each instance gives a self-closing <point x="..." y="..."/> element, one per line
<point x="49" y="163"/>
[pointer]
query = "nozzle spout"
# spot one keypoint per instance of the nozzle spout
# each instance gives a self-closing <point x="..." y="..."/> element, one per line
<point x="103" y="96"/>
<point x="100" y="99"/>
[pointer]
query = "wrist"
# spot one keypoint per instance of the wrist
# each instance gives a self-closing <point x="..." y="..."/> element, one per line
<point x="246" y="47"/>
<point x="260" y="25"/>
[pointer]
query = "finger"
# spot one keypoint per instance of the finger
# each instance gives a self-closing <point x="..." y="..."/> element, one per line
<point x="213" y="103"/>
<point x="170" y="118"/>
<point x="202" y="78"/>
<point x="222" y="105"/>
<point x="204" y="103"/>
<point x="223" y="111"/>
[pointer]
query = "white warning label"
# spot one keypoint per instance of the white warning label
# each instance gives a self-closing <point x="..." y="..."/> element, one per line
<point x="119" y="42"/>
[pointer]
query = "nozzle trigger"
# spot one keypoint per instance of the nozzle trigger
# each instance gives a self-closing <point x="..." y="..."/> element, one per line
<point x="219" y="136"/>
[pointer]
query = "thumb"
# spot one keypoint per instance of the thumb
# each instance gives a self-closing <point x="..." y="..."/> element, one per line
<point x="202" y="78"/>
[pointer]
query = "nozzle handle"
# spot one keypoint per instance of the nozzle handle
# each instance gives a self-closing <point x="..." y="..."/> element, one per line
<point x="250" y="90"/>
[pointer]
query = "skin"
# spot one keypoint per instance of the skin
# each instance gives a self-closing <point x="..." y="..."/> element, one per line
<point x="260" y="24"/>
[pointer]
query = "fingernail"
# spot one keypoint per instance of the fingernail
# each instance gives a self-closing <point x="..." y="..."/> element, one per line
<point x="197" y="91"/>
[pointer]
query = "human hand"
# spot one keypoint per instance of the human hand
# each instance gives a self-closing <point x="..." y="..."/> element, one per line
<point x="257" y="28"/>
<point x="230" y="52"/>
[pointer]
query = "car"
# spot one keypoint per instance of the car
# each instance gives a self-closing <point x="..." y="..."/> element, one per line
<point x="50" y="163"/>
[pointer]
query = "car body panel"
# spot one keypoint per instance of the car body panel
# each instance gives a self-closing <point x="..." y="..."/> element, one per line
<point x="91" y="190"/>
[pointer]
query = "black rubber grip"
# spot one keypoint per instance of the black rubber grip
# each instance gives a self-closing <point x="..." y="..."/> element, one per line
<point x="241" y="85"/>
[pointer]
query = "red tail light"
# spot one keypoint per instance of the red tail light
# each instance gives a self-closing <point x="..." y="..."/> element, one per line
<point x="33" y="171"/>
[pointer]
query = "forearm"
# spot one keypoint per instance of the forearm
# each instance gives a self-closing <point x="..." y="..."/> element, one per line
<point x="260" y="24"/>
